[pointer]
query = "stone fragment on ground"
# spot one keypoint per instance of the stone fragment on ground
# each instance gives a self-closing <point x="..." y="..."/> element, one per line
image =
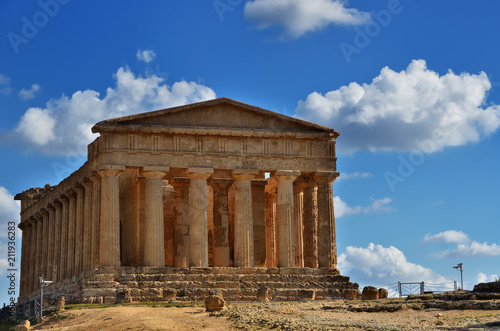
<point x="214" y="303"/>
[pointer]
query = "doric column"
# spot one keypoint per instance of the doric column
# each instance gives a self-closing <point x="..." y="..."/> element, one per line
<point x="79" y="230"/>
<point x="271" y="233"/>
<point x="39" y="255"/>
<point x="63" y="253"/>
<point x="25" y="258"/>
<point x="181" y="221"/>
<point x="327" y="246"/>
<point x="32" y="281"/>
<point x="154" y="250"/>
<point x="57" y="241"/>
<point x="45" y="243"/>
<point x="70" y="264"/>
<point x="221" y="251"/>
<point x="109" y="241"/>
<point x="198" y="241"/>
<point x="259" y="221"/>
<point x="96" y="216"/>
<point x="286" y="219"/>
<point x="310" y="223"/>
<point x="50" y="239"/>
<point x="298" y="204"/>
<point x="243" y="219"/>
<point x="87" y="226"/>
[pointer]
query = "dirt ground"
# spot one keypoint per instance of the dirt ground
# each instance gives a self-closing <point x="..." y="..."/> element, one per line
<point x="310" y="315"/>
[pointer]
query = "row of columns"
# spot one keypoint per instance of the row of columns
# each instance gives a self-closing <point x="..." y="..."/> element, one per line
<point x="81" y="229"/>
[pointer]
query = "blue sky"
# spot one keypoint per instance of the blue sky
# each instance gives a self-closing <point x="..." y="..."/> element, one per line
<point x="412" y="86"/>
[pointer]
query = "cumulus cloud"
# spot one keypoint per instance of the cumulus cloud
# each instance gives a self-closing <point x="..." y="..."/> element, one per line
<point x="345" y="176"/>
<point x="5" y="89"/>
<point x="380" y="205"/>
<point x="29" y="94"/>
<point x="416" y="109"/>
<point x="146" y="55"/>
<point x="379" y="265"/>
<point x="450" y="236"/>
<point x="472" y="249"/>
<point x="298" y="17"/>
<point x="63" y="126"/>
<point x="483" y="278"/>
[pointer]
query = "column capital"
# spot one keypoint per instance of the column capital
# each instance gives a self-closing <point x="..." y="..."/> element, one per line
<point x="50" y="207"/>
<point x="44" y="212"/>
<point x="95" y="178"/>
<point x="87" y="183"/>
<point x="201" y="173"/>
<point x="70" y="193"/>
<point x="23" y="226"/>
<point x="38" y="217"/>
<point x="31" y="221"/>
<point x="110" y="170"/>
<point x="244" y="174"/>
<point x="155" y="169"/>
<point x="326" y="176"/>
<point x="78" y="189"/>
<point x="57" y="204"/>
<point x="155" y="172"/>
<point x="286" y="175"/>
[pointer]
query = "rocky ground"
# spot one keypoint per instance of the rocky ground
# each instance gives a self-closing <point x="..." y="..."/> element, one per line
<point x="457" y="311"/>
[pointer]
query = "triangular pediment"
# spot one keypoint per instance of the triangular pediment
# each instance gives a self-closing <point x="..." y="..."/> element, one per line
<point x="222" y="113"/>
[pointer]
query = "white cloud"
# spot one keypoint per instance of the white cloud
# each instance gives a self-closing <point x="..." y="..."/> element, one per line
<point x="146" y="55"/>
<point x="379" y="265"/>
<point x="472" y="249"/>
<point x="342" y="209"/>
<point x="5" y="80"/>
<point x="345" y="176"/>
<point x="63" y="126"/>
<point x="450" y="236"/>
<point x="29" y="94"/>
<point x="483" y="278"/>
<point x="298" y="17"/>
<point x="415" y="109"/>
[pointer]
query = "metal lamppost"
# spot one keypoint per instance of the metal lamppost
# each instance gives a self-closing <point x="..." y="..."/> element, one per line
<point x="459" y="267"/>
<point x="43" y="283"/>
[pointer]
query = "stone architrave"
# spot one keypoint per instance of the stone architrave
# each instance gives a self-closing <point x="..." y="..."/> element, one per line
<point x="181" y="221"/>
<point x="198" y="205"/>
<point x="310" y="223"/>
<point x="327" y="248"/>
<point x="109" y="241"/>
<point x="222" y="248"/>
<point x="79" y="215"/>
<point x="87" y="226"/>
<point x="154" y="250"/>
<point x="243" y="219"/>
<point x="286" y="219"/>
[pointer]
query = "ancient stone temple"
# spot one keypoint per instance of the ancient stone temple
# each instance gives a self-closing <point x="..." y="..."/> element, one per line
<point x="174" y="203"/>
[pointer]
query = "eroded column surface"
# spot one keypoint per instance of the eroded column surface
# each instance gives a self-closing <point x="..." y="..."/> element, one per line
<point x="154" y="250"/>
<point x="71" y="234"/>
<point x="96" y="217"/>
<point x="310" y="223"/>
<point x="79" y="230"/>
<point x="109" y="241"/>
<point x="25" y="258"/>
<point x="286" y="219"/>
<point x="181" y="221"/>
<point x="259" y="221"/>
<point x="243" y="218"/>
<point x="45" y="243"/>
<point x="327" y="247"/>
<point x="57" y="241"/>
<point x="63" y="252"/>
<point x="33" y="281"/>
<point x="298" y="203"/>
<point x="271" y="233"/>
<point x="39" y="255"/>
<point x="51" y="244"/>
<point x="221" y="222"/>
<point x="198" y="241"/>
<point x="87" y="226"/>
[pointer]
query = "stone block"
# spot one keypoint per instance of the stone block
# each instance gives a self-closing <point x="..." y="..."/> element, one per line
<point x="370" y="293"/>
<point x="214" y="303"/>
